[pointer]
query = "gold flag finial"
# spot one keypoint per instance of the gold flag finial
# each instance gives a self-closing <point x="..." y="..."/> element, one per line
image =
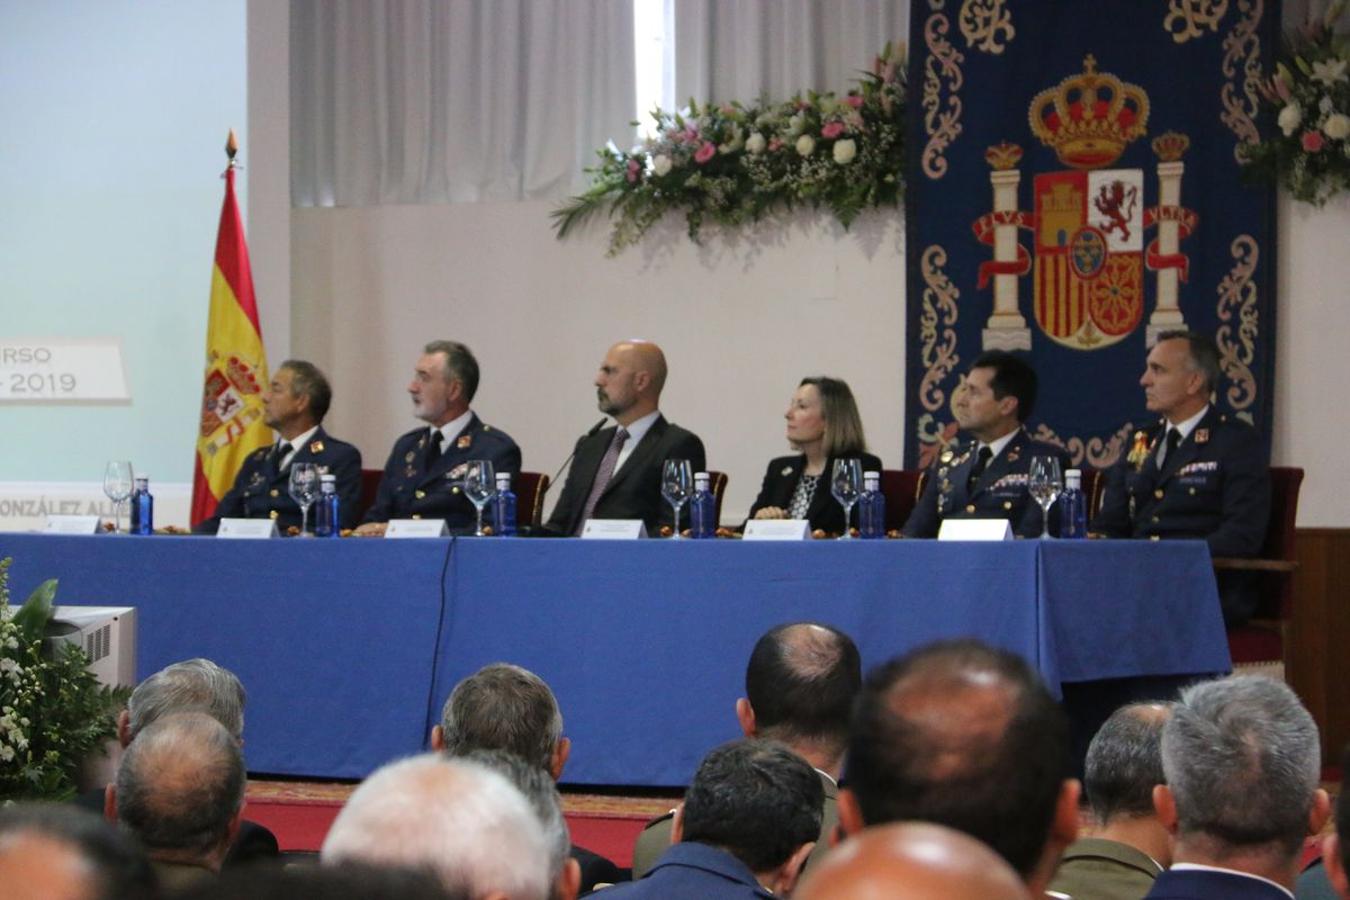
<point x="231" y="146"/>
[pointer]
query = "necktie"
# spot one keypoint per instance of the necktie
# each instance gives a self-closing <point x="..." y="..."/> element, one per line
<point x="283" y="450"/>
<point x="981" y="463"/>
<point x="602" y="476"/>
<point x="1173" y="438"/>
<point x="434" y="447"/>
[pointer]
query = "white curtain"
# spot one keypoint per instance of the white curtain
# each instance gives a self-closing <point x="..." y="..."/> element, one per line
<point x="436" y="101"/>
<point x="739" y="49"/>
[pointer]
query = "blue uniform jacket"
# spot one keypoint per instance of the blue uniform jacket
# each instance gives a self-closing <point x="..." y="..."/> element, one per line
<point x="693" y="871"/>
<point x="1197" y="884"/>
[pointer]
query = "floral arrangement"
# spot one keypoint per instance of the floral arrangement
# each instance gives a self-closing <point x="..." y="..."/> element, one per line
<point x="1310" y="97"/>
<point x="731" y="164"/>
<point x="53" y="713"/>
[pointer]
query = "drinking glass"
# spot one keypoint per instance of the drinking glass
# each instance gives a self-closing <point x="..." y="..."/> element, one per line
<point x="846" y="485"/>
<point x="117" y="484"/>
<point x="480" y="486"/>
<point x="304" y="490"/>
<point x="1044" y="485"/>
<point x="677" y="486"/>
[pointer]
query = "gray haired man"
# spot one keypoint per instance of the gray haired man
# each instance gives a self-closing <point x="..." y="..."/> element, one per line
<point x="1242" y="761"/>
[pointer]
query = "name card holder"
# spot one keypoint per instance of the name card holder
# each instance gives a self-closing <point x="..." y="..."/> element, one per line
<point x="72" y="525"/>
<point x="416" y="528"/>
<point x="777" y="530"/>
<point x="247" y="529"/>
<point x="975" y="530"/>
<point x="614" y="529"/>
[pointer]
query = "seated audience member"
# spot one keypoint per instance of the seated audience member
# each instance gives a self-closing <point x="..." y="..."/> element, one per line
<point x="616" y="472"/>
<point x="823" y="425"/>
<point x="349" y="881"/>
<point x="912" y="861"/>
<point x="1195" y="473"/>
<point x="295" y="404"/>
<point x="180" y="790"/>
<point x="745" y="828"/>
<point x="505" y="707"/>
<point x="423" y="476"/>
<point x="1128" y="846"/>
<point x="193" y="685"/>
<point x="456" y="818"/>
<point x="1331" y="877"/>
<point x="1242" y="760"/>
<point x="800" y="685"/>
<point x="964" y="735"/>
<point x="986" y="477"/>
<point x="53" y="852"/>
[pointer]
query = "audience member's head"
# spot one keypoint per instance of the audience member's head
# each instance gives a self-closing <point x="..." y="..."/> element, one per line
<point x="799" y="689"/>
<point x="349" y="881"/>
<point x="194" y="685"/>
<point x="538" y="787"/>
<point x="912" y="861"/>
<point x="964" y="735"/>
<point x="456" y="818"/>
<point x="180" y="789"/>
<point x="1123" y="765"/>
<point x="759" y="802"/>
<point x="1242" y="760"/>
<point x="504" y="707"/>
<point x="51" y="851"/>
<point x="1336" y="847"/>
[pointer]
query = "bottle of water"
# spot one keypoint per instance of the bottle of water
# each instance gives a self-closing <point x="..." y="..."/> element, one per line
<point x="872" y="508"/>
<point x="702" y="508"/>
<point x="142" y="508"/>
<point x="1073" y="506"/>
<point x="504" y="507"/>
<point x="326" y="521"/>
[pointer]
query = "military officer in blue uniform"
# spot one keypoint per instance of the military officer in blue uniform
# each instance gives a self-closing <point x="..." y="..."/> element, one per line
<point x="1195" y="473"/>
<point x="425" y="472"/>
<point x="296" y="402"/>
<point x="986" y="477"/>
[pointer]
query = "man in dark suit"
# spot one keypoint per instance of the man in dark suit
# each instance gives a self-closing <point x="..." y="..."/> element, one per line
<point x="986" y="477"/>
<point x="616" y="472"/>
<point x="424" y="476"/>
<point x="747" y="823"/>
<point x="1194" y="474"/>
<point x="1242" y="759"/>
<point x="295" y="404"/>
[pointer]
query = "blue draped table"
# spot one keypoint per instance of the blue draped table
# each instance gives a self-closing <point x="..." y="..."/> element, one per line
<point x="349" y="648"/>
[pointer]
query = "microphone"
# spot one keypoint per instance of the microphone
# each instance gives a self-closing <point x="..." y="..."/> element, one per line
<point x="594" y="429"/>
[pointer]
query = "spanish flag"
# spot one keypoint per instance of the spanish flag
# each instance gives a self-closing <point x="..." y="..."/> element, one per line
<point x="236" y="365"/>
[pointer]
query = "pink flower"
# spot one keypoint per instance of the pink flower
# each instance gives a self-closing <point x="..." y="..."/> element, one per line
<point x="1312" y="141"/>
<point x="832" y="130"/>
<point x="706" y="152"/>
<point x="1281" y="89"/>
<point x="854" y="101"/>
<point x="633" y="170"/>
<point x="775" y="144"/>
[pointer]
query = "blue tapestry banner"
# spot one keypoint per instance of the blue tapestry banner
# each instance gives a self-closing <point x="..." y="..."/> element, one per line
<point x="1074" y="189"/>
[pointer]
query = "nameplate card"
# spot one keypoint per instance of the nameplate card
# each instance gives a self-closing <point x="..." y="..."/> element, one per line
<point x="416" y="528"/>
<point x="247" y="529"/>
<point x="777" y="530"/>
<point x="975" y="530"/>
<point x="72" y="525"/>
<point x="614" y="529"/>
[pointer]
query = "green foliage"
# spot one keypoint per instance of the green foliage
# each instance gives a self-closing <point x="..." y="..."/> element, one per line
<point x="733" y="164"/>
<point x="53" y="713"/>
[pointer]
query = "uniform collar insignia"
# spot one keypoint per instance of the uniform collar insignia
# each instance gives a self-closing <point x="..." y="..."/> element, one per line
<point x="422" y="442"/>
<point x="316" y="446"/>
<point x="409" y="457"/>
<point x="464" y="441"/>
<point x="1202" y="435"/>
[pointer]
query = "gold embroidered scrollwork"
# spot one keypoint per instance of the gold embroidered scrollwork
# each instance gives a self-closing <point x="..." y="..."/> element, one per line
<point x="1187" y="19"/>
<point x="1239" y="323"/>
<point x="937" y="332"/>
<point x="1240" y="97"/>
<point x="989" y="23"/>
<point x="1095" y="452"/>
<point x="942" y="68"/>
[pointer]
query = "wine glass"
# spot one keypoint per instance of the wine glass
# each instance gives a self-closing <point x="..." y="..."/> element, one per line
<point x="480" y="486"/>
<point x="304" y="490"/>
<point x="117" y="484"/>
<point x="677" y="486"/>
<point x="846" y="485"/>
<point x="1044" y="485"/>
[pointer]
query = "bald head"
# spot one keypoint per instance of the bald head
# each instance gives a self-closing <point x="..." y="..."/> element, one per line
<point x="912" y="861"/>
<point x="628" y="385"/>
<point x="800" y="685"/>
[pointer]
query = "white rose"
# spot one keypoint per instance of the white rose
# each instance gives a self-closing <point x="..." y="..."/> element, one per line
<point x="844" y="151"/>
<point x="1289" y="119"/>
<point x="755" y="144"/>
<point x="1337" y="127"/>
<point x="806" y="145"/>
<point x="661" y="164"/>
<point x="796" y="124"/>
